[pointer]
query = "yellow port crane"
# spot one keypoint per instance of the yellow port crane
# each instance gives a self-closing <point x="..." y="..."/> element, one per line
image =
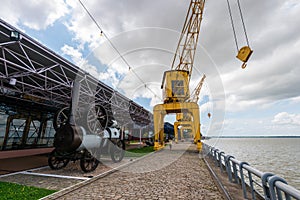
<point x="175" y="83"/>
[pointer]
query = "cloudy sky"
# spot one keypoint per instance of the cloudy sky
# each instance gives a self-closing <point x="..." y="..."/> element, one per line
<point x="263" y="99"/>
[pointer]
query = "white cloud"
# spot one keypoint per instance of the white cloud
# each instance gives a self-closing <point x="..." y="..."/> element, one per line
<point x="148" y="59"/>
<point x="78" y="60"/>
<point x="75" y="54"/>
<point x="265" y="81"/>
<point x="116" y="17"/>
<point x="35" y="14"/>
<point x="285" y="118"/>
<point x="271" y="75"/>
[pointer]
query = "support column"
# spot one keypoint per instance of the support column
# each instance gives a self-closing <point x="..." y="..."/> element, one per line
<point x="181" y="134"/>
<point x="8" y="123"/>
<point x="26" y="131"/>
<point x="74" y="103"/>
<point x="176" y="131"/>
<point x="196" y="128"/>
<point x="141" y="136"/>
<point x="161" y="110"/>
<point x="158" y="119"/>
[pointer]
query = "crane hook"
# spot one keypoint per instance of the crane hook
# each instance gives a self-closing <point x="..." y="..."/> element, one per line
<point x="244" y="65"/>
<point x="244" y="55"/>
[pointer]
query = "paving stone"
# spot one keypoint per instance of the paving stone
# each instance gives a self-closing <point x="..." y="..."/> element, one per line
<point x="176" y="174"/>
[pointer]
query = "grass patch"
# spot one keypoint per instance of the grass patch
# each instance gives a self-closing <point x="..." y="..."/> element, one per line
<point x="138" y="152"/>
<point x="17" y="191"/>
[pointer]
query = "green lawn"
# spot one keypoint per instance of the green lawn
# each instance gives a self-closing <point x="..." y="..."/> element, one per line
<point x="138" y="152"/>
<point x="16" y="191"/>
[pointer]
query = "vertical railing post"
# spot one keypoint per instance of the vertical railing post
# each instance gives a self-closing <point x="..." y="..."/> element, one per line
<point x="220" y="160"/>
<point x="272" y="186"/>
<point x="264" y="180"/>
<point x="228" y="167"/>
<point x="216" y="157"/>
<point x="236" y="177"/>
<point x="242" y="178"/>
<point x="211" y="152"/>
<point x="251" y="185"/>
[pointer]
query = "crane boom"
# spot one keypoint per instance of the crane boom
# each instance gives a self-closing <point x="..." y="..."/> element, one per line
<point x="176" y="81"/>
<point x="193" y="98"/>
<point x="195" y="94"/>
<point x="186" y="48"/>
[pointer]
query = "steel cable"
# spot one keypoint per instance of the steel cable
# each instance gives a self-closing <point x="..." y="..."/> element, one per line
<point x="242" y="18"/>
<point x="232" y="25"/>
<point x="118" y="52"/>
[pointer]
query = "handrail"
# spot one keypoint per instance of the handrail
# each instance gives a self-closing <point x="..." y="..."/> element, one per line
<point x="288" y="189"/>
<point x="264" y="184"/>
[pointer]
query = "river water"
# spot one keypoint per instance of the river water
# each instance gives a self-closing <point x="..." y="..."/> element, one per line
<point x="280" y="156"/>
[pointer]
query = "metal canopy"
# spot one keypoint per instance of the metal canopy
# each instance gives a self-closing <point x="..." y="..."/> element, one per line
<point x="34" y="77"/>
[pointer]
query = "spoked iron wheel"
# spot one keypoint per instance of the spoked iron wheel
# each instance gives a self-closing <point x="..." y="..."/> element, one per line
<point x="57" y="161"/>
<point x="61" y="117"/>
<point x="117" y="151"/>
<point x="88" y="162"/>
<point x="96" y="119"/>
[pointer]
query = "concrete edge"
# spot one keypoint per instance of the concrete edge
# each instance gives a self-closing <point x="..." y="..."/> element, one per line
<point x="217" y="180"/>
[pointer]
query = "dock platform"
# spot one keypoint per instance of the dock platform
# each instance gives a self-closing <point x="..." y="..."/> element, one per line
<point x="176" y="173"/>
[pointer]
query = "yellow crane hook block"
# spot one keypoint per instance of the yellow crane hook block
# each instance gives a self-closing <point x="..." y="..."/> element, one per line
<point x="244" y="54"/>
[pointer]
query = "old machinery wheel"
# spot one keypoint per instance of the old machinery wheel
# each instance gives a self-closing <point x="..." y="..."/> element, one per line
<point x="57" y="161"/>
<point x="96" y="119"/>
<point x="88" y="162"/>
<point x="117" y="151"/>
<point x="61" y="117"/>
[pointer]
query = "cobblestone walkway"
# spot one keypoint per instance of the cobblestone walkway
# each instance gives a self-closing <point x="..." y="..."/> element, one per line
<point x="168" y="174"/>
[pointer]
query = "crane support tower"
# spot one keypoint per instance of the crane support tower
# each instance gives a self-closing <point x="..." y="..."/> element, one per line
<point x="175" y="82"/>
<point x="185" y="119"/>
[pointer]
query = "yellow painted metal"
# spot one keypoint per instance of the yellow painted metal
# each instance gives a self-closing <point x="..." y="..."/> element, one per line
<point x="185" y="51"/>
<point x="161" y="110"/>
<point x="195" y="94"/>
<point x="244" y="55"/>
<point x="181" y="134"/>
<point x="176" y="86"/>
<point x="184" y="125"/>
<point x="183" y="117"/>
<point x="179" y="116"/>
<point x="176" y="81"/>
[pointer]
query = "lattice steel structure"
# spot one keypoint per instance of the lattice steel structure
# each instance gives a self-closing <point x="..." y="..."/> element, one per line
<point x="36" y="81"/>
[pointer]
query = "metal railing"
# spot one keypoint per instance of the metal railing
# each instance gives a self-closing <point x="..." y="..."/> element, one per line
<point x="264" y="184"/>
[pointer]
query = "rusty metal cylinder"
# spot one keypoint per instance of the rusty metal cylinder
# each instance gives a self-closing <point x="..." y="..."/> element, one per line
<point x="68" y="138"/>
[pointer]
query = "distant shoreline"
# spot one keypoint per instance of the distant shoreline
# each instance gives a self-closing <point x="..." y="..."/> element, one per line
<point x="251" y="137"/>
